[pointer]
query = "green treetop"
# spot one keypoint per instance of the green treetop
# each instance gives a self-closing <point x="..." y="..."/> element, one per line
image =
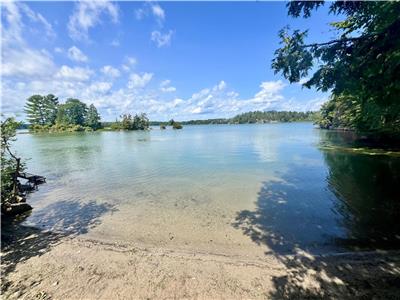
<point x="360" y="67"/>
<point x="72" y="112"/>
<point x="41" y="110"/>
<point x="93" y="118"/>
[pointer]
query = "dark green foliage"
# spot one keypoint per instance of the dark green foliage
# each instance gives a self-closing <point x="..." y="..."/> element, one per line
<point x="129" y="122"/>
<point x="253" y="117"/>
<point x="45" y="114"/>
<point x="361" y="67"/>
<point x="174" y="124"/>
<point x="177" y="125"/>
<point x="72" y="112"/>
<point x="8" y="158"/>
<point x="51" y="107"/>
<point x="273" y="116"/>
<point x="204" y="122"/>
<point x="41" y="110"/>
<point x="93" y="118"/>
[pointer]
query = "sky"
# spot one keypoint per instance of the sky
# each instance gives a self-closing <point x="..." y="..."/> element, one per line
<point x="181" y="60"/>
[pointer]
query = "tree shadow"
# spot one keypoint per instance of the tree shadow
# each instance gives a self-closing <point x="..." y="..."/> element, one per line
<point x="20" y="242"/>
<point x="315" y="224"/>
<point x="289" y="218"/>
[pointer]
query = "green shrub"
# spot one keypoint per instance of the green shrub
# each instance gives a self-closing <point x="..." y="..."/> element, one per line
<point x="177" y="125"/>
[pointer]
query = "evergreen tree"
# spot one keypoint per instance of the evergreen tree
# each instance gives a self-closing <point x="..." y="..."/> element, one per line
<point x="35" y="110"/>
<point x="93" y="118"/>
<point x="72" y="112"/>
<point x="41" y="110"/>
<point x="50" y="108"/>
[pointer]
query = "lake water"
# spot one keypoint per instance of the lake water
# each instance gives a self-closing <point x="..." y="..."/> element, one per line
<point x="230" y="189"/>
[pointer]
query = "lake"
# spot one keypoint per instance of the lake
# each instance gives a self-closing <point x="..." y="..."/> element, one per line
<point x="243" y="190"/>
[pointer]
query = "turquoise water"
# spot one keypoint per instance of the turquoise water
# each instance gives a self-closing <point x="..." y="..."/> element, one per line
<point x="277" y="186"/>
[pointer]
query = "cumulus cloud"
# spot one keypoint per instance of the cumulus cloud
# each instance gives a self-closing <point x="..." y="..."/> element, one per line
<point x="76" y="55"/>
<point x="74" y="73"/>
<point x="110" y="71"/>
<point x="139" y="81"/>
<point x="161" y="39"/>
<point x="269" y="92"/>
<point x="27" y="71"/>
<point x="165" y="86"/>
<point x="87" y="14"/>
<point x="18" y="59"/>
<point x="26" y="62"/>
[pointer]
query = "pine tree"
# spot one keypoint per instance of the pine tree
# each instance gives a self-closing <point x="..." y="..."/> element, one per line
<point x="93" y="118"/>
<point x="41" y="110"/>
<point x="35" y="110"/>
<point x="50" y="108"/>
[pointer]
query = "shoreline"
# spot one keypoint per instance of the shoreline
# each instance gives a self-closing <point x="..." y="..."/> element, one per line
<point x="80" y="268"/>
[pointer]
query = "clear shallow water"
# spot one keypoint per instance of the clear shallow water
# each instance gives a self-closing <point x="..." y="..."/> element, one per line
<point x="274" y="185"/>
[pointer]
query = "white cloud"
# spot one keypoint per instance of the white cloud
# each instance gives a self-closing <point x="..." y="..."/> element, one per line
<point x="26" y="62"/>
<point x="110" y="71"/>
<point x="221" y="85"/>
<point x="137" y="81"/>
<point x="158" y="12"/>
<point x="76" y="55"/>
<point x="126" y="68"/>
<point x="100" y="87"/>
<point x="13" y="27"/>
<point x="87" y="15"/>
<point x="166" y="87"/>
<point x="74" y="73"/>
<point x="28" y="71"/>
<point x="37" y="17"/>
<point x="157" y="36"/>
<point x="153" y="9"/>
<point x="269" y="93"/>
<point x="161" y="39"/>
<point x="130" y="62"/>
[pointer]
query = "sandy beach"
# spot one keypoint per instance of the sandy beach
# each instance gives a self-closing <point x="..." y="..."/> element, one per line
<point x="46" y="265"/>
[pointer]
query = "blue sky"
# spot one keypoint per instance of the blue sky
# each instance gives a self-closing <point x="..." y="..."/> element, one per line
<point x="182" y="60"/>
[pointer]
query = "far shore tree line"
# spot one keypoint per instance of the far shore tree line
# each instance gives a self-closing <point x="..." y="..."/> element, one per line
<point x="47" y="114"/>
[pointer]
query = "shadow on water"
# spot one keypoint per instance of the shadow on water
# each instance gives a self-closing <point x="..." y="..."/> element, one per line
<point x="20" y="242"/>
<point x="356" y="207"/>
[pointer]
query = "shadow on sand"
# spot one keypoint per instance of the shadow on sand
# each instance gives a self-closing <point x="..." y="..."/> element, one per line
<point x="64" y="219"/>
<point x="299" y="219"/>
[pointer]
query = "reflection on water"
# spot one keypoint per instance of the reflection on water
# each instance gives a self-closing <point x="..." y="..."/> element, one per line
<point x="279" y="184"/>
<point x="356" y="205"/>
<point x="368" y="197"/>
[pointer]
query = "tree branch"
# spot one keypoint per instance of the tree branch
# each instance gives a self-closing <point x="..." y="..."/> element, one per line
<point x="339" y="41"/>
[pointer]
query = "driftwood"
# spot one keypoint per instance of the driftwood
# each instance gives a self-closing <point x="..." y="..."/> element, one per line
<point x="16" y="208"/>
